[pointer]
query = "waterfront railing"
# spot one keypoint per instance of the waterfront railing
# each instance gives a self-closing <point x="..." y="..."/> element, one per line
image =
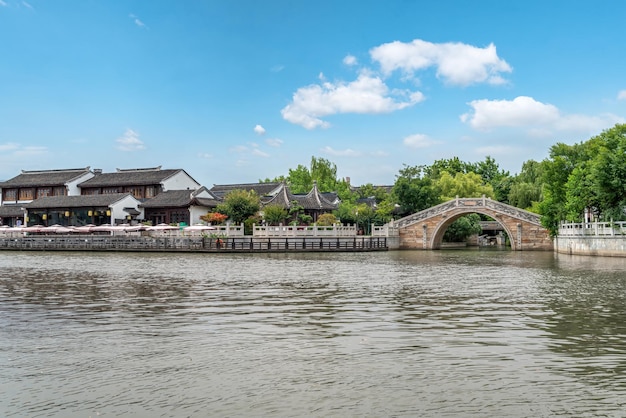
<point x="192" y="244"/>
<point x="596" y="229"/>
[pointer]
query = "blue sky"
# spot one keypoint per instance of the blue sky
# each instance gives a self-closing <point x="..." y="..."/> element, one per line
<point x="241" y="90"/>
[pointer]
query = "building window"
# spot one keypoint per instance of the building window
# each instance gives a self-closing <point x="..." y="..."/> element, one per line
<point x="60" y="191"/>
<point x="151" y="191"/>
<point x="44" y="191"/>
<point x="111" y="190"/>
<point x="10" y="194"/>
<point x="26" y="194"/>
<point x="136" y="191"/>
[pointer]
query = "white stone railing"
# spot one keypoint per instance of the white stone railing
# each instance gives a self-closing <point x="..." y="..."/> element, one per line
<point x="387" y="230"/>
<point x="595" y="229"/>
<point x="304" y="231"/>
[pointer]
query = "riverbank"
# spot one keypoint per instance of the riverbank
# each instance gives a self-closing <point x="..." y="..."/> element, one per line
<point x="193" y="244"/>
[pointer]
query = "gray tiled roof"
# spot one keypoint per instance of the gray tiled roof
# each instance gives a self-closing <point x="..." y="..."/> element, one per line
<point x="138" y="177"/>
<point x="314" y="200"/>
<point x="44" y="178"/>
<point x="177" y="199"/>
<point x="75" y="201"/>
<point x="11" y="211"/>
<point x="261" y="189"/>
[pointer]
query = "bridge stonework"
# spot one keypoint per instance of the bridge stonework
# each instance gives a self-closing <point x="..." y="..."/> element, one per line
<point x="425" y="229"/>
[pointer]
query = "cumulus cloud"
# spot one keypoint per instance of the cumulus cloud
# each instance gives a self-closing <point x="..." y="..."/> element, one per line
<point x="259" y="130"/>
<point x="340" y="153"/>
<point x="366" y="95"/>
<point x="130" y="141"/>
<point x="419" y="141"/>
<point x="621" y="95"/>
<point x="455" y="63"/>
<point x="350" y="60"/>
<point x="540" y="118"/>
<point x="274" y="142"/>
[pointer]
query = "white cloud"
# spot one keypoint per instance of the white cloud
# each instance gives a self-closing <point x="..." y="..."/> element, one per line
<point x="350" y="60"/>
<point x="130" y="141"/>
<point x="366" y="95"/>
<point x="205" y="155"/>
<point x="2" y="3"/>
<point x="30" y="151"/>
<point x="27" y="5"/>
<point x="239" y="148"/>
<point x="419" y="141"/>
<point x="259" y="153"/>
<point x="137" y="21"/>
<point x="541" y="119"/>
<point x="9" y="146"/>
<point x="274" y="142"/>
<point x="455" y="63"/>
<point x="621" y="95"/>
<point x="259" y="130"/>
<point x="340" y="153"/>
<point x="277" y="68"/>
<point x="521" y="111"/>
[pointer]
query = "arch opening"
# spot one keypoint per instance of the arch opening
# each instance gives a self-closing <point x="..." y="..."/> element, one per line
<point x="438" y="234"/>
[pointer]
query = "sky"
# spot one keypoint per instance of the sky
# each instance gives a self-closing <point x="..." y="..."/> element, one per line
<point x="237" y="91"/>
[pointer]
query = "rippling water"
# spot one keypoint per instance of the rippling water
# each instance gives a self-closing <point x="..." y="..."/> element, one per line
<point x="403" y="334"/>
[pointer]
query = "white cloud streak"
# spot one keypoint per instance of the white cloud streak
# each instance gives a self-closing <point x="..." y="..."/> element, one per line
<point x="455" y="63"/>
<point x="621" y="95"/>
<point x="2" y="3"/>
<point x="130" y="141"/>
<point x="137" y="21"/>
<point x="274" y="142"/>
<point x="417" y="141"/>
<point x="541" y="119"/>
<point x="366" y="95"/>
<point x="340" y="153"/>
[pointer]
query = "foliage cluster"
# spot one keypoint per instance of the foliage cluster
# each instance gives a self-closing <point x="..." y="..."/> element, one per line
<point x="588" y="177"/>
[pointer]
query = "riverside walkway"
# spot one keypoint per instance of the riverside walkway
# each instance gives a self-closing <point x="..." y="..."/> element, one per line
<point x="244" y="244"/>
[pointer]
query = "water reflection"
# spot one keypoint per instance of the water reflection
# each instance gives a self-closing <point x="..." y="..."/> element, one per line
<point x="457" y="333"/>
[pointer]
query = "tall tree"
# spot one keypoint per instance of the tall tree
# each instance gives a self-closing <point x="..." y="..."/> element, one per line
<point x="413" y="191"/>
<point x="239" y="205"/>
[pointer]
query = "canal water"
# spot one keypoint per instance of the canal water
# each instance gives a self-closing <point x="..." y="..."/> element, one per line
<point x="395" y="334"/>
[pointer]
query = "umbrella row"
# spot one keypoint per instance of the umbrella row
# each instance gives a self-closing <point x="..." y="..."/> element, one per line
<point x="59" y="229"/>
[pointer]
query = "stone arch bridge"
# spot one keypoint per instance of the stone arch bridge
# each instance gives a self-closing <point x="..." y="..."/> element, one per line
<point x="425" y="229"/>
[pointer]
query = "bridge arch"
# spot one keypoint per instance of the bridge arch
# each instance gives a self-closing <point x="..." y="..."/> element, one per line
<point x="425" y="229"/>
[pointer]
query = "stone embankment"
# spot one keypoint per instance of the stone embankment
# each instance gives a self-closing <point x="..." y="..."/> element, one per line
<point x="594" y="238"/>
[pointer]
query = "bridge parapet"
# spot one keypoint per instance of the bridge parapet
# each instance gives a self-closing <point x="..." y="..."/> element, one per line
<point x="425" y="229"/>
<point x="470" y="203"/>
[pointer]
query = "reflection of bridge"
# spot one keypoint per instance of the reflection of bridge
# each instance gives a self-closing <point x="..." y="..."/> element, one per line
<point x="425" y="229"/>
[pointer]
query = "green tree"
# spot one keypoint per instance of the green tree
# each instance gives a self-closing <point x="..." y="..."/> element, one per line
<point x="274" y="214"/>
<point x="326" y="219"/>
<point x="463" y="228"/>
<point x="413" y="191"/>
<point x="300" y="180"/>
<point x="324" y="172"/>
<point x="608" y="172"/>
<point x="463" y="185"/>
<point x="239" y="205"/>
